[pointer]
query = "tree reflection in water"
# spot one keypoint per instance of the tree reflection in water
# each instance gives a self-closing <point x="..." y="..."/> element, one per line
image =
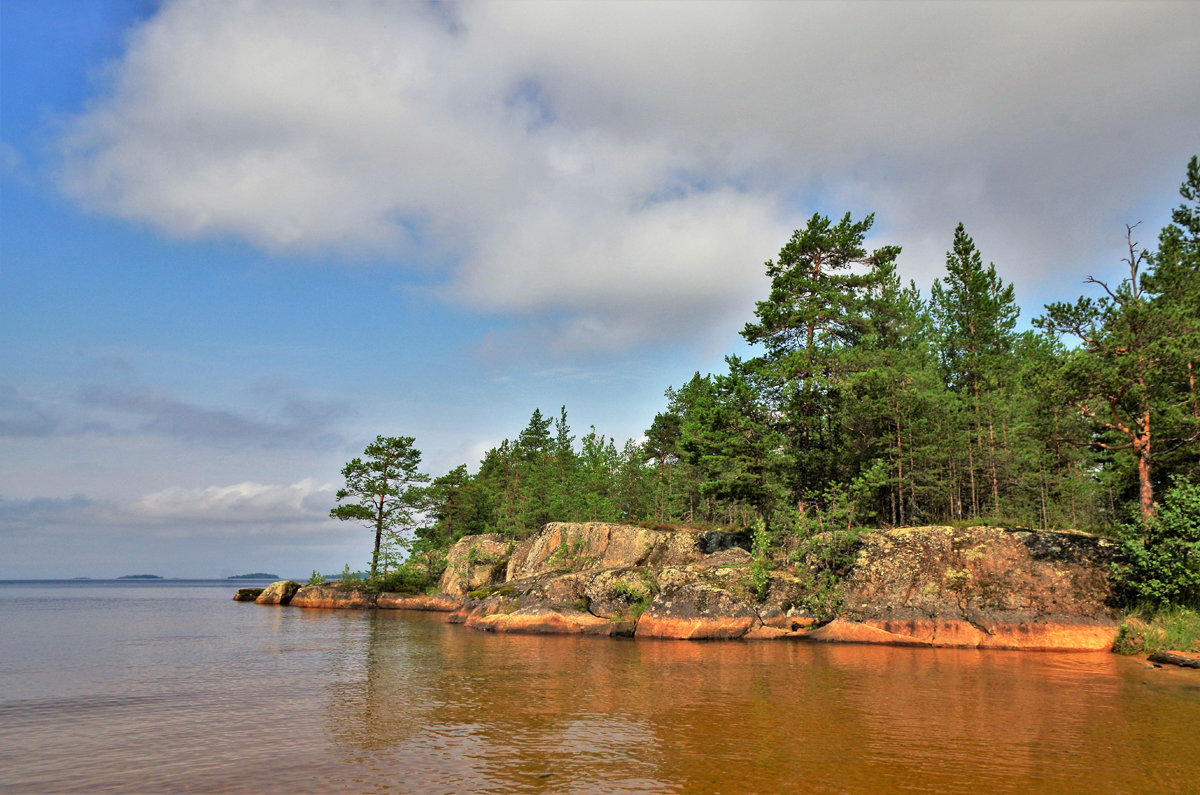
<point x="419" y="705"/>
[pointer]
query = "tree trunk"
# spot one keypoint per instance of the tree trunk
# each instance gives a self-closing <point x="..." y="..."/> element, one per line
<point x="971" y="473"/>
<point x="378" y="538"/>
<point x="1141" y="449"/>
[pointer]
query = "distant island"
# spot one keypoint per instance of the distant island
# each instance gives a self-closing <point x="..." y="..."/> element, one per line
<point x="258" y="575"/>
<point x="140" y="577"/>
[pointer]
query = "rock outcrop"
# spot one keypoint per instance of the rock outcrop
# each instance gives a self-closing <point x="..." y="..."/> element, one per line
<point x="980" y="587"/>
<point x="586" y="546"/>
<point x="698" y="611"/>
<point x="442" y="603"/>
<point x="985" y="587"/>
<point x="247" y="594"/>
<point x="474" y="562"/>
<point x="333" y="595"/>
<point x="608" y="579"/>
<point x="278" y="593"/>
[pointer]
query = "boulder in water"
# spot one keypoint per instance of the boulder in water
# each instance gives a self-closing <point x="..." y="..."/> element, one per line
<point x="278" y="593"/>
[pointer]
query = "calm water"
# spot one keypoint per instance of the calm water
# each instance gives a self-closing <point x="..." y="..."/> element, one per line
<point x="171" y="686"/>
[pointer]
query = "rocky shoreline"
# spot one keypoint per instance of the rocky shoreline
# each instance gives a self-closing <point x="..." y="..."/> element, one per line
<point x="975" y="587"/>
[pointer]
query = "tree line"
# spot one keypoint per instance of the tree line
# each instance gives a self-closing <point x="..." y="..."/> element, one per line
<point x="870" y="403"/>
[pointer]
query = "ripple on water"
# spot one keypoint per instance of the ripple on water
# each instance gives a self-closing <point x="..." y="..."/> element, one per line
<point x="201" y="696"/>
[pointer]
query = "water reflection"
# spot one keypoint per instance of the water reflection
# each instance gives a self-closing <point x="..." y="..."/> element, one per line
<point x="201" y="694"/>
<point x="425" y="706"/>
<point x="463" y="711"/>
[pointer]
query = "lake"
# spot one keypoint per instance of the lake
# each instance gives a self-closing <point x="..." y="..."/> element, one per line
<point x="156" y="686"/>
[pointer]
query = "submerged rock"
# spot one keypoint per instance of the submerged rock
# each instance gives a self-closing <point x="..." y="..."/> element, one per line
<point x="1182" y="659"/>
<point x="278" y="593"/>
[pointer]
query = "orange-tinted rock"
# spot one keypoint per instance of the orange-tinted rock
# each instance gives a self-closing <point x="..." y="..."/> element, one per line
<point x="771" y="633"/>
<point x="278" y="593"/>
<point x="696" y="611"/>
<point x="443" y="603"/>
<point x="978" y="587"/>
<point x="333" y="595"/>
<point x="960" y="634"/>
<point x="545" y="621"/>
<point x="839" y="631"/>
<point x="982" y="575"/>
<point x="716" y="628"/>
<point x="475" y="609"/>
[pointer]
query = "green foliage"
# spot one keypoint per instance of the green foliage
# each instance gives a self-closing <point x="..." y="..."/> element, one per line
<point x="824" y="288"/>
<point x="760" y="568"/>
<point x="352" y="579"/>
<point x="1162" y="559"/>
<point x="637" y="593"/>
<point x="412" y="577"/>
<point x="630" y="591"/>
<point x="316" y="579"/>
<point x="1175" y="629"/>
<point x="827" y="547"/>
<point x="485" y="591"/>
<point x="866" y="404"/>
<point x="569" y="555"/>
<point x="382" y="491"/>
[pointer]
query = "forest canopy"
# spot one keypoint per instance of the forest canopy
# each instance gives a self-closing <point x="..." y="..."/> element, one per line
<point x="871" y="402"/>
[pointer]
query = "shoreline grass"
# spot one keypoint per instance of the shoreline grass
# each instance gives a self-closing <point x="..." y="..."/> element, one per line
<point x="1146" y="631"/>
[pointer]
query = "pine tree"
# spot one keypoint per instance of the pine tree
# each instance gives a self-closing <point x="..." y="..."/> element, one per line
<point x="1175" y="281"/>
<point x="975" y="314"/>
<point x="382" y="490"/>
<point x="817" y="311"/>
<point x="1114" y="377"/>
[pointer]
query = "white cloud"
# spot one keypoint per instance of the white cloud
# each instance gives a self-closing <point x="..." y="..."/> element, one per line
<point x="618" y="172"/>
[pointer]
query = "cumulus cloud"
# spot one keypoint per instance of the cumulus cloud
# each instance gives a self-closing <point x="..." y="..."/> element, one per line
<point x="618" y="172"/>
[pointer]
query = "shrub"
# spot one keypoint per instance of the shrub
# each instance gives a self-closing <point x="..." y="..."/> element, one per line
<point x="1162" y="559"/>
<point x="353" y="579"/>
<point x="1177" y="629"/>
<point x="408" y="578"/>
<point x="760" y="569"/>
<point x="316" y="579"/>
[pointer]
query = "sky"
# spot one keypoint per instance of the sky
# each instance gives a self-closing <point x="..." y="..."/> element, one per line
<point x="238" y="240"/>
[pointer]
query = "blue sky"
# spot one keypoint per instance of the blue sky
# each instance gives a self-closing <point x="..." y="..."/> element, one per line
<point x="238" y="240"/>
